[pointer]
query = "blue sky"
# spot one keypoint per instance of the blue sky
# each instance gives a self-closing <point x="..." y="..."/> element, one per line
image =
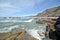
<point x="20" y="8"/>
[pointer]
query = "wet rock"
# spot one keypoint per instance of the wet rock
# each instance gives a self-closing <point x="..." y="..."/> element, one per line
<point x="40" y="21"/>
<point x="31" y="38"/>
<point x="12" y="35"/>
<point x="19" y="35"/>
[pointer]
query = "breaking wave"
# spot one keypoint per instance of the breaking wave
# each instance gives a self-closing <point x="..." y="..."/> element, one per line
<point x="34" y="33"/>
<point x="27" y="20"/>
<point x="31" y="31"/>
<point x="17" y="20"/>
<point x="8" y="29"/>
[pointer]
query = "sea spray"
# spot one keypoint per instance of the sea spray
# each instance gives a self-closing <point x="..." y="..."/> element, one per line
<point x="27" y="20"/>
<point x="34" y="33"/>
<point x="8" y="21"/>
<point x="8" y="29"/>
<point x="30" y="24"/>
<point x="12" y="27"/>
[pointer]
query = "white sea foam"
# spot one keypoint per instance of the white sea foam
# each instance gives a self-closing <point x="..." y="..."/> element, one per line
<point x="27" y="20"/>
<point x="8" y="29"/>
<point x="17" y="20"/>
<point x="34" y="33"/>
<point x="8" y="21"/>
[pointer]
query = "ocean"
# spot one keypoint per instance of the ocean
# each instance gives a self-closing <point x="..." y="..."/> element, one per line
<point x="29" y="24"/>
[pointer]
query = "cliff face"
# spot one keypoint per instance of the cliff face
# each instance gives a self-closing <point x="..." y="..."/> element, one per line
<point x="52" y="12"/>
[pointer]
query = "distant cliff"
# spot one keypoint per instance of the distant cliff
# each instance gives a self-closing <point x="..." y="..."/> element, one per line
<point x="52" y="12"/>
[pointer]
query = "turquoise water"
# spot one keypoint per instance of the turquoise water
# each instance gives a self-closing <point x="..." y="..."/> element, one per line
<point x="22" y="23"/>
<point x="29" y="24"/>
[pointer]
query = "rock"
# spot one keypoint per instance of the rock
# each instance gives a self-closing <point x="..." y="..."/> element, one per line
<point x="4" y="35"/>
<point x="12" y="35"/>
<point x="19" y="35"/>
<point x="52" y="12"/>
<point x="53" y="19"/>
<point x="40" y="21"/>
<point x="31" y="38"/>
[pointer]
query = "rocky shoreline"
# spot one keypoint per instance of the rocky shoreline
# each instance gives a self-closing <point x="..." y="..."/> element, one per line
<point x="11" y="35"/>
<point x="50" y="22"/>
<point x="21" y="34"/>
<point x="50" y="25"/>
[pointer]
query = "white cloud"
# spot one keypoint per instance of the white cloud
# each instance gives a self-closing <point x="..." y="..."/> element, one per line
<point x="5" y="5"/>
<point x="26" y="4"/>
<point x="8" y="7"/>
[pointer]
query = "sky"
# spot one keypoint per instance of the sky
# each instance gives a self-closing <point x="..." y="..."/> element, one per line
<point x="19" y="8"/>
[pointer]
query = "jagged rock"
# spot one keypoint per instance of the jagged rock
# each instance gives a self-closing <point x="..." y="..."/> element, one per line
<point x="12" y="35"/>
<point x="45" y="21"/>
<point x="40" y="21"/>
<point x="31" y="38"/>
<point x="19" y="35"/>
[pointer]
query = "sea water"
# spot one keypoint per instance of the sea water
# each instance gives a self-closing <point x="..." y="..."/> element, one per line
<point x="29" y="24"/>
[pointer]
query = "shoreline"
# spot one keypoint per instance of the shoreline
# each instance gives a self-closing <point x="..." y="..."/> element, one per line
<point x="19" y="35"/>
